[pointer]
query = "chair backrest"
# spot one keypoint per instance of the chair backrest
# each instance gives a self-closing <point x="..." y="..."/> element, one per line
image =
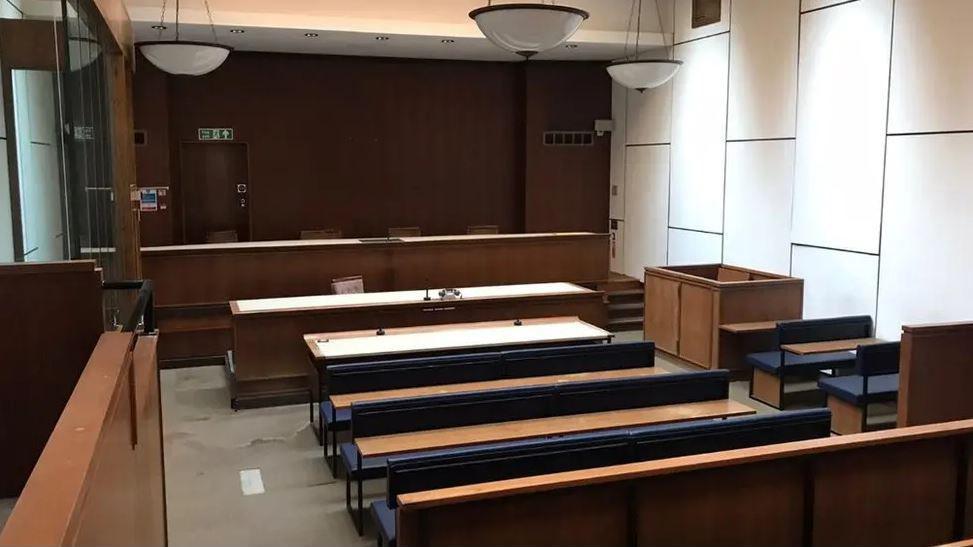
<point x="822" y="330"/>
<point x="670" y="441"/>
<point x="224" y="236"/>
<point x="525" y="363"/>
<point x="436" y="412"/>
<point x="483" y="229"/>
<point x="348" y="285"/>
<point x="875" y="359"/>
<point x="327" y="233"/>
<point x="627" y="393"/>
<point x="456" y="467"/>
<point x="414" y="372"/>
<point x="522" y="403"/>
<point x="405" y="231"/>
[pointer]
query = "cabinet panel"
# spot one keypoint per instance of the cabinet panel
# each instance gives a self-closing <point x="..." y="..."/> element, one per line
<point x="662" y="313"/>
<point x="696" y="324"/>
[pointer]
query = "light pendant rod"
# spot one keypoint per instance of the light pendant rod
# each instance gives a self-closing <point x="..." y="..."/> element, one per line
<point x="634" y="73"/>
<point x="181" y="57"/>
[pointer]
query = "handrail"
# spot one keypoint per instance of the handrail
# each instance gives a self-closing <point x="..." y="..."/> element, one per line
<point x="144" y="305"/>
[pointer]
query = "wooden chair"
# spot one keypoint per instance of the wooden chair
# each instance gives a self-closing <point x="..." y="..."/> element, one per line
<point x="327" y="233"/>
<point x="483" y="229"/>
<point x="348" y="285"/>
<point x="225" y="236"/>
<point x="410" y="231"/>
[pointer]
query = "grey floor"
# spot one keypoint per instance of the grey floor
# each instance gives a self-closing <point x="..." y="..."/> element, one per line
<point x="207" y="445"/>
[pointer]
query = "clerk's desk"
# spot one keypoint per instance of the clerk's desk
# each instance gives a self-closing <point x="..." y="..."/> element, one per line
<point x="194" y="283"/>
<point x="269" y="355"/>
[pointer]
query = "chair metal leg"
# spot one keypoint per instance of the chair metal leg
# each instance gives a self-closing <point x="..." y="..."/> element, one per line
<point x="361" y="512"/>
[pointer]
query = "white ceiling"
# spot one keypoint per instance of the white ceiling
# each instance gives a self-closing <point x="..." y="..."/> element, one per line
<point x="416" y="28"/>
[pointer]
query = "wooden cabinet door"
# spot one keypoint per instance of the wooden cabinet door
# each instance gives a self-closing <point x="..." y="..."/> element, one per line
<point x="696" y="325"/>
<point x="662" y="313"/>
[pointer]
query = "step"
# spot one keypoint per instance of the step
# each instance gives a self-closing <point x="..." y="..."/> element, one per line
<point x="612" y="306"/>
<point x="626" y="323"/>
<point x="627" y="292"/>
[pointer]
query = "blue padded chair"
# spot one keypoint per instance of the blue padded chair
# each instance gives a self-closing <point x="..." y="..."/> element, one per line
<point x="447" y="468"/>
<point x="777" y="366"/>
<point x="874" y="380"/>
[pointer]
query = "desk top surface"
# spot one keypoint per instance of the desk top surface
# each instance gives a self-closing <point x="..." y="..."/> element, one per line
<point x="346" y="400"/>
<point x="330" y="301"/>
<point x="457" y="336"/>
<point x="298" y="243"/>
<point x="751" y="327"/>
<point x="401" y="443"/>
<point x="829" y="346"/>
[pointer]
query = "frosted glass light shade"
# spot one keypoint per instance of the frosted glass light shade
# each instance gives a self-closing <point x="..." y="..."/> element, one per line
<point x="185" y="58"/>
<point x="527" y="29"/>
<point x="642" y="75"/>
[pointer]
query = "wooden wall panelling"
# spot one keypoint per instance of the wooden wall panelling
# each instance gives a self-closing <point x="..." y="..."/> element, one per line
<point x="31" y="44"/>
<point x="566" y="187"/>
<point x="51" y="320"/>
<point x="936" y="373"/>
<point x="662" y="313"/>
<point x="696" y="306"/>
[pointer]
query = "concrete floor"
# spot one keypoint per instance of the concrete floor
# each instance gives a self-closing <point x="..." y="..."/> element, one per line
<point x="207" y="445"/>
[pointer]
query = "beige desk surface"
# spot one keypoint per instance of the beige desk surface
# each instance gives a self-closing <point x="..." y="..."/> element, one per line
<point x="386" y="445"/>
<point x="351" y="241"/>
<point x="456" y="336"/>
<point x="753" y="327"/>
<point x="829" y="346"/>
<point x="329" y="301"/>
<point x="346" y="400"/>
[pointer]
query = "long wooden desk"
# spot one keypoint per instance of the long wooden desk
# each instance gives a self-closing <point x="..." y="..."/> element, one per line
<point x="346" y="400"/>
<point x="899" y="487"/>
<point x="269" y="358"/>
<point x="400" y="443"/>
<point x="812" y="348"/>
<point x="196" y="282"/>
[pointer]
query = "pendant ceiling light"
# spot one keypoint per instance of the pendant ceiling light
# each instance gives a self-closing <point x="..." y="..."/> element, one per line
<point x="183" y="57"/>
<point x="641" y="74"/>
<point x="527" y="29"/>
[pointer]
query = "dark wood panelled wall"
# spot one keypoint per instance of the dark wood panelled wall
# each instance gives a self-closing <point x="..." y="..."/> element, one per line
<point x="363" y="144"/>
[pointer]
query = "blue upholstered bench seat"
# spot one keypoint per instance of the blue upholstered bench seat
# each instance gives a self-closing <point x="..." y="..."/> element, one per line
<point x="769" y="361"/>
<point x="371" y="468"/>
<point x="881" y="388"/>
<point x="335" y="422"/>
<point x="384" y="518"/>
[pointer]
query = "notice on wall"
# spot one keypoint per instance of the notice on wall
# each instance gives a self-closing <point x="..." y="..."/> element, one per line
<point x="215" y="133"/>
<point x="153" y="199"/>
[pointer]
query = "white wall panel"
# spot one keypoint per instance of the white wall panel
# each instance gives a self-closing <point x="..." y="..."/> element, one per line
<point x="6" y="221"/>
<point x="841" y="125"/>
<point x="649" y="115"/>
<point x="646" y="208"/>
<point x="684" y="22"/>
<point x="836" y="282"/>
<point x="932" y="67"/>
<point x="927" y="236"/>
<point x="10" y="9"/>
<point x="616" y="200"/>
<point x="41" y="104"/>
<point x="699" y="135"/>
<point x="763" y="69"/>
<point x="686" y="247"/>
<point x="807" y="5"/>
<point x="759" y="190"/>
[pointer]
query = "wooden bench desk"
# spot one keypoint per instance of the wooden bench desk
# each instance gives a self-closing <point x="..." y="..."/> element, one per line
<point x="755" y="327"/>
<point x="346" y="400"/>
<point x="452" y="437"/>
<point x="829" y="346"/>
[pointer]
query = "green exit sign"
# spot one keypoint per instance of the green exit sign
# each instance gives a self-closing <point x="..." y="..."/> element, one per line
<point x="215" y="133"/>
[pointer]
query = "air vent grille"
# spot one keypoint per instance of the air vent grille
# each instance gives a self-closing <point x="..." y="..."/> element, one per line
<point x="569" y="138"/>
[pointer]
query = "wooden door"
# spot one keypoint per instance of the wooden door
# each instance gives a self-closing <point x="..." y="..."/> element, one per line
<point x="214" y="181"/>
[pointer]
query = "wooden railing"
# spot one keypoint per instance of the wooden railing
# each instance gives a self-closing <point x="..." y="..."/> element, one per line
<point x="100" y="478"/>
<point x="900" y="487"/>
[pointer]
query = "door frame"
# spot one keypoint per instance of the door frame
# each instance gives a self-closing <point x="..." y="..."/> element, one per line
<point x="182" y="195"/>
